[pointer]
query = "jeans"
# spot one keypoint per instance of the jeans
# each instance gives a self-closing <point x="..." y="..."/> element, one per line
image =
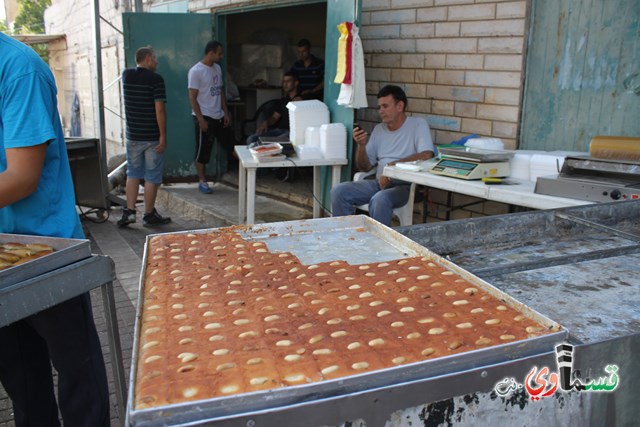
<point x="347" y="195"/>
<point x="143" y="162"/>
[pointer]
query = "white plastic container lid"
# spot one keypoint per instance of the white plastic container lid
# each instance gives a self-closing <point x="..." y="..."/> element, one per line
<point x="309" y="105"/>
<point x="486" y="143"/>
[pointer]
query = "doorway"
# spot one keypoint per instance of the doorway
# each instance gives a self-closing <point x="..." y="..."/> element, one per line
<point x="261" y="45"/>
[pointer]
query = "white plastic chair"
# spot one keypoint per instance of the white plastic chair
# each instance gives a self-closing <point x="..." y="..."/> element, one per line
<point x="403" y="213"/>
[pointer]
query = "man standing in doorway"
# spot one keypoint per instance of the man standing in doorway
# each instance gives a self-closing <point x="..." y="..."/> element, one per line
<point x="310" y="72"/>
<point x="146" y="117"/>
<point x="209" y="108"/>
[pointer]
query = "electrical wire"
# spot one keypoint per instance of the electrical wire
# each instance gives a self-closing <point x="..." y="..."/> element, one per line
<point x="104" y="213"/>
<point x="295" y="168"/>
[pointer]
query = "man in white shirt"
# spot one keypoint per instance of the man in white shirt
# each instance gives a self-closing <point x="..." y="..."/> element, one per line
<point x="397" y="139"/>
<point x="209" y="108"/>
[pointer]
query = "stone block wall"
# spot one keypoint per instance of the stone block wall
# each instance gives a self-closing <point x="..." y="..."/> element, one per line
<point x="72" y="61"/>
<point x="460" y="62"/>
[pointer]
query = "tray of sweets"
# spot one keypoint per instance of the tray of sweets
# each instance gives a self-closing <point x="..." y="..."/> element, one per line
<point x="54" y="252"/>
<point x="265" y="150"/>
<point x="248" y="318"/>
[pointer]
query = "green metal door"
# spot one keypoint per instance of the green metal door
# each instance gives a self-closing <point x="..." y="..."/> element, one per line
<point x="583" y="73"/>
<point x="178" y="40"/>
<point x="337" y="11"/>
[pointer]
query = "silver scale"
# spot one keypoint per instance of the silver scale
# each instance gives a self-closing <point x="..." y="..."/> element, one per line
<point x="472" y="163"/>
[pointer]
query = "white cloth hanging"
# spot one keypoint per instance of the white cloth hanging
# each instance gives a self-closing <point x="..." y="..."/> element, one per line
<point x="354" y="95"/>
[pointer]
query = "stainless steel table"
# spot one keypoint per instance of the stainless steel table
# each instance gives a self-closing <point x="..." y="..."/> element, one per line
<point x="247" y="179"/>
<point x="30" y="296"/>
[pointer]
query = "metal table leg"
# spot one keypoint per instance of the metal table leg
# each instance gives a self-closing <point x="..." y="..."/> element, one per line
<point x="119" y="377"/>
<point x="251" y="195"/>
<point x="242" y="192"/>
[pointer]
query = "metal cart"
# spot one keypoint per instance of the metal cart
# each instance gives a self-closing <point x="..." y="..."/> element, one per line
<point x="69" y="271"/>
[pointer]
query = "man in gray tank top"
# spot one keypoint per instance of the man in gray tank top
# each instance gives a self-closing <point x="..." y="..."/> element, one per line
<point x="397" y="139"/>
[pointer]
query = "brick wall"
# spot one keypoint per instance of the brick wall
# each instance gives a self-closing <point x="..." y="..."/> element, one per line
<point x="460" y="62"/>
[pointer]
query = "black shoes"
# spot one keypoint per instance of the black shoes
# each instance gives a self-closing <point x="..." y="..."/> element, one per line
<point x="149" y="220"/>
<point x="154" y="218"/>
<point x="128" y="217"/>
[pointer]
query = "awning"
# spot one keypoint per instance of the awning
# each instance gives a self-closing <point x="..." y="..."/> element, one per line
<point x="38" y="38"/>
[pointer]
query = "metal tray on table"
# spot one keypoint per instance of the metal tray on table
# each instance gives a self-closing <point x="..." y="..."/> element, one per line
<point x="357" y="240"/>
<point x="65" y="252"/>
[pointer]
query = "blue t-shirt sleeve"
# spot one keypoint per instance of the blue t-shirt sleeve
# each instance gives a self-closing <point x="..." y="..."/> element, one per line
<point x="28" y="123"/>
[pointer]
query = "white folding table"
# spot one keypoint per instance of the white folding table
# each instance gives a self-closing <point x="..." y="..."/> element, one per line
<point x="521" y="194"/>
<point x="247" y="179"/>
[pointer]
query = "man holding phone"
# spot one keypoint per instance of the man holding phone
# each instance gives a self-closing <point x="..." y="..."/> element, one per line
<point x="397" y="139"/>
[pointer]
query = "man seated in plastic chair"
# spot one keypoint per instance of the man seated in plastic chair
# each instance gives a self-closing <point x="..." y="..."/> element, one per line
<point x="397" y="139"/>
<point x="277" y="123"/>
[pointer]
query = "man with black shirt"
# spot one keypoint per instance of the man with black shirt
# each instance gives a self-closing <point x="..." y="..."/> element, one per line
<point x="277" y="124"/>
<point x="144" y="98"/>
<point x="310" y="72"/>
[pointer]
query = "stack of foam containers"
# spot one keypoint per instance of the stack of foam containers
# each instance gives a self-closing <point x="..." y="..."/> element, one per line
<point x="520" y="164"/>
<point x="303" y="114"/>
<point x="311" y="147"/>
<point x="333" y="141"/>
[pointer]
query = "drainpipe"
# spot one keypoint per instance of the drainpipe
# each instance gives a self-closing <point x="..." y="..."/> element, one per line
<point x="102" y="148"/>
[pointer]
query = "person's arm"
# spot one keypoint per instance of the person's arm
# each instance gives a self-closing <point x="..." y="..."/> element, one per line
<point x="319" y="88"/>
<point x="264" y="126"/>
<point x="161" y="117"/>
<point x="362" y="159"/>
<point x="21" y="177"/>
<point x="193" y="100"/>
<point x="223" y="101"/>
<point x="423" y="155"/>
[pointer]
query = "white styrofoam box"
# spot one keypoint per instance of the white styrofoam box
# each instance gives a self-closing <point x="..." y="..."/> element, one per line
<point x="333" y="141"/>
<point x="520" y="164"/>
<point x="544" y="164"/>
<point x="312" y="136"/>
<point x="266" y="55"/>
<point x="303" y="114"/>
<point x="308" y="152"/>
<point x="486" y="143"/>
<point x="569" y="153"/>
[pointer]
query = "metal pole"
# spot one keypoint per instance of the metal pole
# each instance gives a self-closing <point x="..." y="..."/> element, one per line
<point x="102" y="146"/>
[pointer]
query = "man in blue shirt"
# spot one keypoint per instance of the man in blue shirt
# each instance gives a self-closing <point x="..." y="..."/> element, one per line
<point x="37" y="198"/>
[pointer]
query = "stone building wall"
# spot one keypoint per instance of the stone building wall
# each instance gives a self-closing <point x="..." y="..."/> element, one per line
<point x="73" y="63"/>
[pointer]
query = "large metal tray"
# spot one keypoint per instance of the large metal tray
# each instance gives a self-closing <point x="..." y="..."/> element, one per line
<point x="66" y="251"/>
<point x="356" y="239"/>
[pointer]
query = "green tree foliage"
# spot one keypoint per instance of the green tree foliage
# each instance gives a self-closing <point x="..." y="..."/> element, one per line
<point x="30" y="20"/>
